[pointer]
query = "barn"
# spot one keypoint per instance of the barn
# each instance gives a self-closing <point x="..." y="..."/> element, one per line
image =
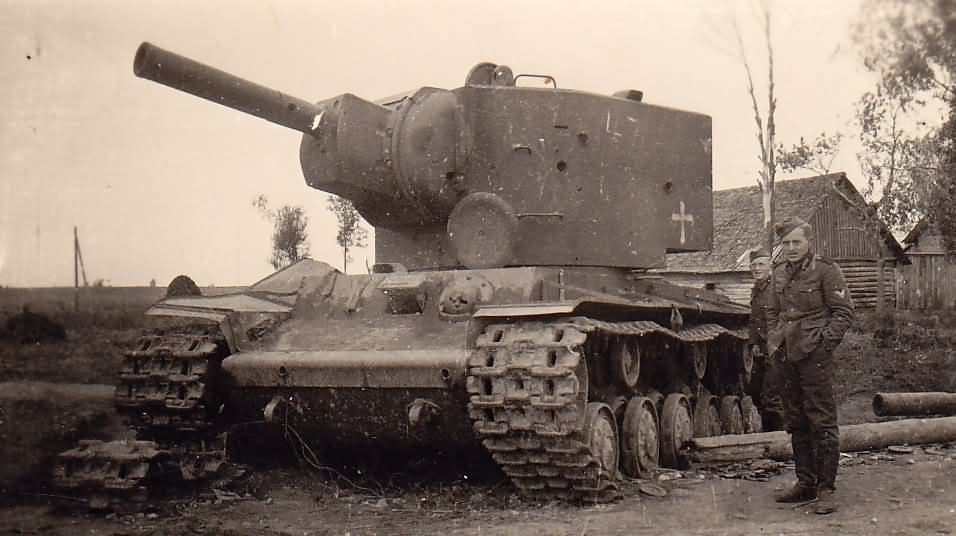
<point x="926" y="283"/>
<point x="865" y="250"/>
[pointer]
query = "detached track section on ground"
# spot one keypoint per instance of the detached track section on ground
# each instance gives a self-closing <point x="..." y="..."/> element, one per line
<point x="165" y="391"/>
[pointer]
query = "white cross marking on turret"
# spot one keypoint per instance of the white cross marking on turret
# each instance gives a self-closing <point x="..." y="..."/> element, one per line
<point x="683" y="218"/>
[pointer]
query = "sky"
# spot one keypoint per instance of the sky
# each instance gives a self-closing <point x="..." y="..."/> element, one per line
<point x="160" y="183"/>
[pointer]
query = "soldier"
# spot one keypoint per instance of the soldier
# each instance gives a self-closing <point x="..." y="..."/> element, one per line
<point x="766" y="377"/>
<point x="809" y="312"/>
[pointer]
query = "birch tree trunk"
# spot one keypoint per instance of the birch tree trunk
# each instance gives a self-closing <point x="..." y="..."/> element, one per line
<point x="766" y="135"/>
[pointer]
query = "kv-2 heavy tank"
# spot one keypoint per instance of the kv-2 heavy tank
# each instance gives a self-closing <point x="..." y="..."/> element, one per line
<point x="514" y="303"/>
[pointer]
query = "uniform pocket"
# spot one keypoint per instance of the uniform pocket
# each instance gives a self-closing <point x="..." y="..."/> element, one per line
<point x="813" y="331"/>
<point x="810" y="297"/>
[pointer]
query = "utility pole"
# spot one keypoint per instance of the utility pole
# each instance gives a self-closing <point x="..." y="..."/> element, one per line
<point x="76" y="271"/>
<point x="78" y="268"/>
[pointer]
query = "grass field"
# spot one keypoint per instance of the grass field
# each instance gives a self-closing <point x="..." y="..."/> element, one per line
<point x="107" y="321"/>
<point x="91" y="299"/>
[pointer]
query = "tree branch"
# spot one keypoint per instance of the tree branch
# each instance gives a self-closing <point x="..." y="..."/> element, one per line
<point x="771" y="125"/>
<point x="945" y="87"/>
<point x="753" y="100"/>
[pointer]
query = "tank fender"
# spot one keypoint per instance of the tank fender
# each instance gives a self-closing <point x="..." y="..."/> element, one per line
<point x="228" y="322"/>
<point x="437" y="369"/>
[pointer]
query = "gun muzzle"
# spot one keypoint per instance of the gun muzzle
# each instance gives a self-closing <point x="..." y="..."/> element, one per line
<point x="201" y="80"/>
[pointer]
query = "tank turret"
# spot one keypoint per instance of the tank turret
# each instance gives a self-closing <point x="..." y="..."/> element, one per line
<point x="492" y="173"/>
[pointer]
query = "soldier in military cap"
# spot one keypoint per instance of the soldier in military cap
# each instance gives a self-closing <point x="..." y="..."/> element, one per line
<point x="766" y="375"/>
<point x="809" y="312"/>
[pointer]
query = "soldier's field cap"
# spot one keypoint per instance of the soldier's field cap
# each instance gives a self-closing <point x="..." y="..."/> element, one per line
<point x="787" y="226"/>
<point x="757" y="253"/>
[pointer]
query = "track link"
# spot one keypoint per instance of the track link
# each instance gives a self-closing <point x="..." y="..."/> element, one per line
<point x="528" y="396"/>
<point x="527" y="401"/>
<point x="164" y="390"/>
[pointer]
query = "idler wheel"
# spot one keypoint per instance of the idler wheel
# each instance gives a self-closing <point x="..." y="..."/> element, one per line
<point x="730" y="415"/>
<point x="626" y="364"/>
<point x="707" y="416"/>
<point x="753" y="424"/>
<point x="600" y="432"/>
<point x="676" y="429"/>
<point x="640" y="443"/>
<point x="483" y="231"/>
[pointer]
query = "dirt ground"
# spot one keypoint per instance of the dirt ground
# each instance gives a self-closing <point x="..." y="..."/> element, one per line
<point x="880" y="492"/>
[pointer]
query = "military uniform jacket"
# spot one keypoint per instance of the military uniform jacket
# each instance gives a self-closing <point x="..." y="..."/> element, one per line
<point x="759" y="301"/>
<point x="810" y="305"/>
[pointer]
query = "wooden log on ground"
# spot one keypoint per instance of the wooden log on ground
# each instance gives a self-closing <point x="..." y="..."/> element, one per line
<point x="914" y="404"/>
<point x="854" y="437"/>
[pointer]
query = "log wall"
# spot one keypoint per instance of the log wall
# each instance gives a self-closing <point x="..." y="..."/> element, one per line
<point x="734" y="285"/>
<point x="862" y="278"/>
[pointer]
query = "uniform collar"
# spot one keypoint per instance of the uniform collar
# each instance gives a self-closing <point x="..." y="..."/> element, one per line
<point x="801" y="264"/>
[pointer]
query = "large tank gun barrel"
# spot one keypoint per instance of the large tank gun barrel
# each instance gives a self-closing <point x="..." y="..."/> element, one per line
<point x="395" y="163"/>
<point x="201" y="80"/>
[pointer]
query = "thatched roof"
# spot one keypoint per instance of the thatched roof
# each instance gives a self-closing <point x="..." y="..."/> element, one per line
<point x="738" y="220"/>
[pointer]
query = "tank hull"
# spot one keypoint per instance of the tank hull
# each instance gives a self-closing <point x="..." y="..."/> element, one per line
<point x="514" y="314"/>
<point x="361" y="417"/>
<point x="402" y="399"/>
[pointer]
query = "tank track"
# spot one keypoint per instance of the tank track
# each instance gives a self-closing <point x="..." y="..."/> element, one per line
<point x="528" y="398"/>
<point x="164" y="390"/>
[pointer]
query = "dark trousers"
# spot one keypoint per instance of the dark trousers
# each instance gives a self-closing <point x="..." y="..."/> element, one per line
<point x="768" y="380"/>
<point x="811" y="418"/>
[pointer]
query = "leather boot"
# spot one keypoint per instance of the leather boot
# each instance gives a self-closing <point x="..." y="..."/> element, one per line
<point x="828" y="462"/>
<point x="826" y="501"/>
<point x="798" y="493"/>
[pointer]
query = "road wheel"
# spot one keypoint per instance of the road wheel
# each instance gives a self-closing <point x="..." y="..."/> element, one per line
<point x="730" y="415"/>
<point x="753" y="423"/>
<point x="640" y="444"/>
<point x="677" y="429"/>
<point x="707" y="416"/>
<point x="626" y="364"/>
<point x="600" y="432"/>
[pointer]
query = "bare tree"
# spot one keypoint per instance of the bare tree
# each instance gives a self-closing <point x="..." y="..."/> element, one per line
<point x="766" y="131"/>
<point x="816" y="156"/>
<point x="290" y="241"/>
<point x="351" y="233"/>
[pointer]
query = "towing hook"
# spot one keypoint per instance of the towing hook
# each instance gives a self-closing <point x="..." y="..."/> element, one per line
<point x="286" y="404"/>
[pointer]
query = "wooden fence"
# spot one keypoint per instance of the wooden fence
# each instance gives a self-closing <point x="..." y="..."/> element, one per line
<point x="929" y="282"/>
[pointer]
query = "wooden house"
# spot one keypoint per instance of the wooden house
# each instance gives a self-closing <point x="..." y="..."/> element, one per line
<point x="927" y="282"/>
<point x="843" y="231"/>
